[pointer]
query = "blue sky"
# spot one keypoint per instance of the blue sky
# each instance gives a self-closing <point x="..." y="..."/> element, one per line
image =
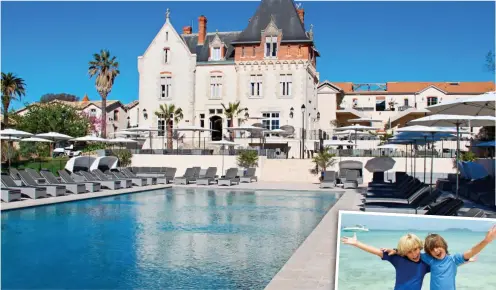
<point x="49" y="44"/>
<point x="388" y="222"/>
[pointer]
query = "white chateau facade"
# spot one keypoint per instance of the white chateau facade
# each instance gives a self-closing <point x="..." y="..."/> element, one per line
<point x="269" y="67"/>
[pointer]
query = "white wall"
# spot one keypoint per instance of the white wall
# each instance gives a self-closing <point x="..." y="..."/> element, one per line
<point x="282" y="170"/>
<point x="133" y="114"/>
<point x="181" y="67"/>
<point x="327" y="107"/>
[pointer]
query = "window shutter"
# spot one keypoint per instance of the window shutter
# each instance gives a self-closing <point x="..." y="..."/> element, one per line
<point x="212" y="91"/>
<point x="261" y="85"/>
<point x="220" y="86"/>
<point x="281" y="85"/>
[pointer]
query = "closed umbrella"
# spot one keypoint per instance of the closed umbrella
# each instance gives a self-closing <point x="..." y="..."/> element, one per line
<point x="380" y="164"/>
<point x="223" y="143"/>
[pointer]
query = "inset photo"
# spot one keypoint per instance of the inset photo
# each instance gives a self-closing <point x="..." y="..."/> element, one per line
<point x="399" y="251"/>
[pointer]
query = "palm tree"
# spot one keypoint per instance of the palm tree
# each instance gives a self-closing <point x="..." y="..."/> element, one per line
<point x="323" y="160"/>
<point x="13" y="88"/>
<point x="170" y="114"/>
<point x="231" y="112"/>
<point x="106" y="69"/>
<point x="383" y="138"/>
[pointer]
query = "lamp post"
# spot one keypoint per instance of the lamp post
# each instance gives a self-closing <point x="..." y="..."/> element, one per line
<point x="302" y="131"/>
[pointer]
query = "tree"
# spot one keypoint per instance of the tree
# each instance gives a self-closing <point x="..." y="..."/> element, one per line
<point x="56" y="117"/>
<point x="323" y="160"/>
<point x="61" y="96"/>
<point x="383" y="137"/>
<point x="337" y="123"/>
<point x="106" y="69"/>
<point x="490" y="62"/>
<point x="95" y="124"/>
<point x="231" y="112"/>
<point x="171" y="115"/>
<point x="13" y="88"/>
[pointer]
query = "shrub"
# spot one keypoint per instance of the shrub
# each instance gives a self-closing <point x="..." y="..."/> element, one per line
<point x="247" y="158"/>
<point x="124" y="156"/>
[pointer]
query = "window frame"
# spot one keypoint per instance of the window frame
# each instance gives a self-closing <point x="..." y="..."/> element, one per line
<point x="256" y="86"/>
<point x="216" y="87"/>
<point x="429" y="100"/>
<point x="165" y="87"/>
<point x="269" y="120"/>
<point x="286" y="85"/>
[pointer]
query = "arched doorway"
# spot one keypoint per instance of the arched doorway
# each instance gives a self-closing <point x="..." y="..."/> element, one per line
<point x="216" y="124"/>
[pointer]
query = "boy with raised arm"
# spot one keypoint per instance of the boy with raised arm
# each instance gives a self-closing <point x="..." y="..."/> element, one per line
<point x="410" y="270"/>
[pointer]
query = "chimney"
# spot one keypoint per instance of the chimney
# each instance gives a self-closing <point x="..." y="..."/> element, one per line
<point x="202" y="29"/>
<point x="187" y="30"/>
<point x="301" y="14"/>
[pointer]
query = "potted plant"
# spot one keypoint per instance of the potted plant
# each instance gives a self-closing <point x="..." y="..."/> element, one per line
<point x="391" y="105"/>
<point x="247" y="159"/>
<point x="322" y="160"/>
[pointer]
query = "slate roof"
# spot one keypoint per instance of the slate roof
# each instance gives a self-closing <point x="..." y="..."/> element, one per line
<point x="202" y="52"/>
<point x="285" y="17"/>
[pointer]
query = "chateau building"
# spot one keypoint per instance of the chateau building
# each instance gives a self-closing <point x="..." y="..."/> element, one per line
<point x="269" y="67"/>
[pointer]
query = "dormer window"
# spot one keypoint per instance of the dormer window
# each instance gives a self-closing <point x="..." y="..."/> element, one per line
<point x="270" y="46"/>
<point x="216" y="53"/>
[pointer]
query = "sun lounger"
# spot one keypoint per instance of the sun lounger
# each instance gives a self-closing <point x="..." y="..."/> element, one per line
<point x="405" y="193"/>
<point x="351" y="179"/>
<point x="475" y="212"/>
<point x="110" y="184"/>
<point x="170" y="174"/>
<point x="125" y="183"/>
<point x="249" y="176"/>
<point x="329" y="180"/>
<point x="447" y="207"/>
<point x="129" y="174"/>
<point x="74" y="188"/>
<point x="209" y="176"/>
<point x="28" y="191"/>
<point x="139" y="181"/>
<point x="196" y="173"/>
<point x="186" y="178"/>
<point x="418" y="195"/>
<point x="342" y="175"/>
<point x="90" y="186"/>
<point x="10" y="194"/>
<point x="230" y="178"/>
<point x="53" y="190"/>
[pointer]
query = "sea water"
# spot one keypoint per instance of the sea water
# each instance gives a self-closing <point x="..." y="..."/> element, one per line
<point x="359" y="270"/>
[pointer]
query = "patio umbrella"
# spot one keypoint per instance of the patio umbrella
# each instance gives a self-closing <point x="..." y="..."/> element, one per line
<point x="338" y="143"/>
<point x="356" y="128"/>
<point x="456" y="120"/>
<point x="486" y="144"/>
<point x="482" y="105"/>
<point x="223" y="143"/>
<point x="426" y="131"/>
<point x="195" y="129"/>
<point x="54" y="136"/>
<point x="127" y="133"/>
<point x="36" y="139"/>
<point x="9" y="134"/>
<point x="248" y="128"/>
<point x="145" y="129"/>
<point x="380" y="164"/>
<point x="364" y="119"/>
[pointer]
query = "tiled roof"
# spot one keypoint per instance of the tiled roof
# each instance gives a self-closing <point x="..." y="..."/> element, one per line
<point x="202" y="51"/>
<point x="415" y="87"/>
<point x="285" y="18"/>
<point x="132" y="104"/>
<point x="78" y="105"/>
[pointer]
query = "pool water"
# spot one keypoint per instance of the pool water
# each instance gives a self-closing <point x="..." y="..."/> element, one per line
<point x="164" y="239"/>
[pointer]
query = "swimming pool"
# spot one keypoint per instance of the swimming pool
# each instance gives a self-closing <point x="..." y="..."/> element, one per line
<point x="164" y="239"/>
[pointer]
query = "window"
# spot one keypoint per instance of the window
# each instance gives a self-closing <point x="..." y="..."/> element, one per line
<point x="211" y="111"/>
<point x="93" y="112"/>
<point x="431" y="101"/>
<point x="161" y="127"/>
<point x="202" y="120"/>
<point x="271" y="121"/>
<point x="253" y="51"/>
<point x="299" y="49"/>
<point x="380" y="104"/>
<point x="288" y="52"/>
<point x="405" y="102"/>
<point x="243" y="51"/>
<point x="165" y="87"/>
<point x="270" y="46"/>
<point x="219" y="111"/>
<point x="215" y="53"/>
<point x="355" y="102"/>
<point x="166" y="55"/>
<point x="167" y="36"/>
<point x="256" y="85"/>
<point x="116" y="115"/>
<point x="216" y="87"/>
<point x="286" y="85"/>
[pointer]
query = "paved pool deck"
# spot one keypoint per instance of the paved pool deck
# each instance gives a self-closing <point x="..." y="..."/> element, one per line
<point x="73" y="197"/>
